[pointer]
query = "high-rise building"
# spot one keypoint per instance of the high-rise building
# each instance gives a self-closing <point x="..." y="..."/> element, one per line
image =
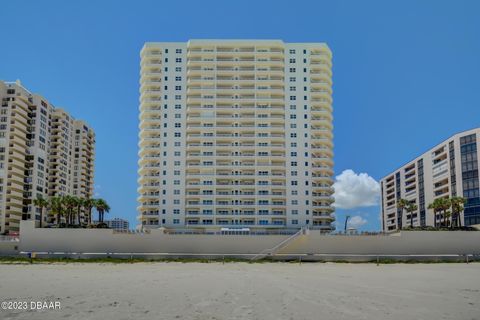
<point x="116" y="224"/>
<point x="44" y="152"/>
<point x="449" y="169"/>
<point x="71" y="156"/>
<point x="236" y="133"/>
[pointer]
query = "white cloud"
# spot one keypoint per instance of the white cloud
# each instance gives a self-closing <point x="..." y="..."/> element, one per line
<point x="355" y="190"/>
<point x="356" y="222"/>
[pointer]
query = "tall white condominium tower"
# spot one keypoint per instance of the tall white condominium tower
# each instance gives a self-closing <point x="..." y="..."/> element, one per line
<point x="236" y="134"/>
<point x="449" y="169"/>
<point x="44" y="152"/>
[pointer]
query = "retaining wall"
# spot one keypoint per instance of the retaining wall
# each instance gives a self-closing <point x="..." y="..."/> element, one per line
<point x="106" y="241"/>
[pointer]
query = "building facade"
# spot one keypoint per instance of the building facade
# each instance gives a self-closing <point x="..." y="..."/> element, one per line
<point x="44" y="152"/>
<point x="116" y="224"/>
<point x="447" y="170"/>
<point x="236" y="133"/>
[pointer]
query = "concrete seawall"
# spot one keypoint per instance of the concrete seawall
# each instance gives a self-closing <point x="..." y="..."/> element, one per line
<point x="100" y="241"/>
<point x="404" y="243"/>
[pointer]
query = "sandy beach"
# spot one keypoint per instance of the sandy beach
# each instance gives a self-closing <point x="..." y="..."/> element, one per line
<point x="244" y="291"/>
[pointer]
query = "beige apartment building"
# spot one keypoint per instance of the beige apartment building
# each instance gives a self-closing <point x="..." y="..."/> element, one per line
<point x="44" y="152"/>
<point x="236" y="134"/>
<point x="448" y="169"/>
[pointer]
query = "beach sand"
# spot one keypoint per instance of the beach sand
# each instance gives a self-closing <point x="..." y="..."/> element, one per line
<point x="244" y="291"/>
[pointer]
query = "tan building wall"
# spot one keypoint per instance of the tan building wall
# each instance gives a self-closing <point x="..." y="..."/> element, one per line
<point x="38" y="155"/>
<point x="236" y="133"/>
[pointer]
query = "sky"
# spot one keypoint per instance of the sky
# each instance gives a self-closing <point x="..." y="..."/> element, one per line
<point x="406" y="75"/>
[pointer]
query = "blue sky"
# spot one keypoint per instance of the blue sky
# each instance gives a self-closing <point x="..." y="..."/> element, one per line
<point x="406" y="73"/>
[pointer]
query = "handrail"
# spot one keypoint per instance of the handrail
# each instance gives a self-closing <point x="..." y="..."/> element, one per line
<point x="279" y="246"/>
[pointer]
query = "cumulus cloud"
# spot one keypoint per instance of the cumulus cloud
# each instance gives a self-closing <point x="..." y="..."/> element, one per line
<point x="354" y="190"/>
<point x="356" y="222"/>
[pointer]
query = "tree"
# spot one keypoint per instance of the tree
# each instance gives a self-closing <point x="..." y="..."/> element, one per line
<point x="457" y="204"/>
<point x="102" y="207"/>
<point x="440" y="205"/>
<point x="79" y="202"/>
<point x="70" y="203"/>
<point x="411" y="207"/>
<point x="41" y="203"/>
<point x="445" y="205"/>
<point x="88" y="205"/>
<point x="402" y="204"/>
<point x="435" y="206"/>
<point x="57" y="208"/>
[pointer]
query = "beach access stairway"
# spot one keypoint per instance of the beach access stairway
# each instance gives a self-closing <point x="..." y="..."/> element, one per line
<point x="272" y="251"/>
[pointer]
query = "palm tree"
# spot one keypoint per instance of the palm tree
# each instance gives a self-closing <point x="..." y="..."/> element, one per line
<point x="448" y="215"/>
<point x="457" y="204"/>
<point x="402" y="204"/>
<point x="56" y="207"/>
<point x="435" y="206"/>
<point x="41" y="203"/>
<point x="102" y="207"/>
<point x="70" y="204"/>
<point x="79" y="203"/>
<point x="88" y="205"/>
<point x="411" y="207"/>
<point x="446" y="203"/>
<point x="440" y="205"/>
